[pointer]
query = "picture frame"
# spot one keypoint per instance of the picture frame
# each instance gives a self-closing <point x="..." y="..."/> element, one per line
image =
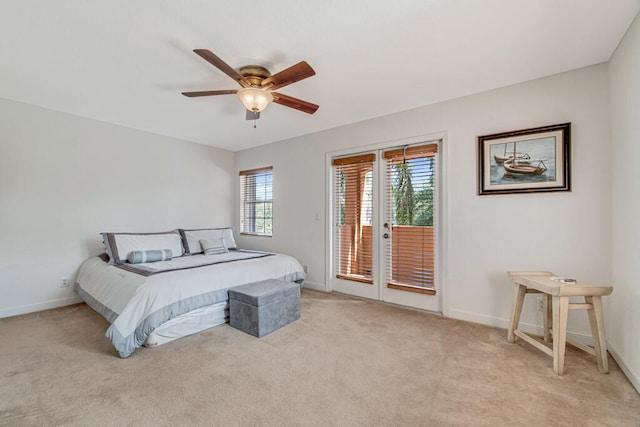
<point x="542" y="161"/>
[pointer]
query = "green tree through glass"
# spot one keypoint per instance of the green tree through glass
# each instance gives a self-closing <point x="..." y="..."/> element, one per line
<point x="403" y="194"/>
<point x="412" y="192"/>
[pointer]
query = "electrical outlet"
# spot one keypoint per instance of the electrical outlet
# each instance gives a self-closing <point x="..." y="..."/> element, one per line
<point x="540" y="303"/>
<point x="64" y="282"/>
<point x="306" y="269"/>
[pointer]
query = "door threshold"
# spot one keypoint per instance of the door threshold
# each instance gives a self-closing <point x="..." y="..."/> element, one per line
<point x="391" y="304"/>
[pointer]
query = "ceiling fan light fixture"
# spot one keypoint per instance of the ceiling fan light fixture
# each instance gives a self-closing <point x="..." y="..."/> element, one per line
<point x="254" y="99"/>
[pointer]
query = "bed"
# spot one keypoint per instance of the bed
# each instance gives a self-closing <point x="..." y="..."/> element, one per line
<point x="151" y="298"/>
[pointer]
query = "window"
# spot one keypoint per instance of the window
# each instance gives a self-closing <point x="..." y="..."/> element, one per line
<point x="256" y="201"/>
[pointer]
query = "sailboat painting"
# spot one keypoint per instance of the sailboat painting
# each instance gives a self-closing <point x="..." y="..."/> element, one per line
<point x="528" y="166"/>
<point x="530" y="160"/>
<point x="508" y="154"/>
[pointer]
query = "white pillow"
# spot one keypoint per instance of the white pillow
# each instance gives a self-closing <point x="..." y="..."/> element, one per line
<point x="214" y="247"/>
<point x="118" y="245"/>
<point x="191" y="238"/>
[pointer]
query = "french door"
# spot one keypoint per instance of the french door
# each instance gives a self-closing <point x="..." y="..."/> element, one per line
<point x="385" y="225"/>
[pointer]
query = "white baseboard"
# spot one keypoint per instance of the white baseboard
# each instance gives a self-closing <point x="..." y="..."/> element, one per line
<point x="315" y="286"/>
<point x="632" y="374"/>
<point x="24" y="309"/>
<point x="31" y="308"/>
<point x="478" y="318"/>
<point x="527" y="328"/>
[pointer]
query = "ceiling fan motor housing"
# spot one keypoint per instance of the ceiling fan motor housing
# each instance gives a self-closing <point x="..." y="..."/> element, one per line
<point x="254" y="74"/>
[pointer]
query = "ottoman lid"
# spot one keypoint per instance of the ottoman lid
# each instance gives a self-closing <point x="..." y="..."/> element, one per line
<point x="264" y="292"/>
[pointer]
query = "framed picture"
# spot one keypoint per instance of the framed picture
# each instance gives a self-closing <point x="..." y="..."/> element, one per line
<point x="525" y="161"/>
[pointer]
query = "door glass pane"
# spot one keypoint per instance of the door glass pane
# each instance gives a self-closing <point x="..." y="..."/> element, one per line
<point x="354" y="216"/>
<point x="411" y="204"/>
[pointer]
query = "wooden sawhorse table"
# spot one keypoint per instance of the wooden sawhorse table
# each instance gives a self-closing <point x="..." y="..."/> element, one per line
<point x="556" y="312"/>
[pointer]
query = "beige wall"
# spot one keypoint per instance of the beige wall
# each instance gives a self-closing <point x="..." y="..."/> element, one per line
<point x="64" y="179"/>
<point x="566" y="232"/>
<point x="623" y="318"/>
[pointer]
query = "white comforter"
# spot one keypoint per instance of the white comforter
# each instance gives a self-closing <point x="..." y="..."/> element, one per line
<point x="136" y="305"/>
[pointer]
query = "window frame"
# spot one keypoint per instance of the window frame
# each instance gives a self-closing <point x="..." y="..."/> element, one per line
<point x="249" y="202"/>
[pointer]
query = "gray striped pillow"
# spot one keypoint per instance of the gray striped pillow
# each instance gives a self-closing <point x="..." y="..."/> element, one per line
<point x="138" y="257"/>
<point x="214" y="246"/>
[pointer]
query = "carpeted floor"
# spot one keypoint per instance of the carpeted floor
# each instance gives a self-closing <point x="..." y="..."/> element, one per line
<point x="346" y="362"/>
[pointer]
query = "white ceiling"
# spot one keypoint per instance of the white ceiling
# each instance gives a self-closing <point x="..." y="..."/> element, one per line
<point x="126" y="62"/>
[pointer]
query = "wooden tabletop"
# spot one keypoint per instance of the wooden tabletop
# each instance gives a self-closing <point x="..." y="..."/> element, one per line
<point x="542" y="282"/>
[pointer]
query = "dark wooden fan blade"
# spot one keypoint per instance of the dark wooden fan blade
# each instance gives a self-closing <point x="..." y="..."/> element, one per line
<point x="293" y="74"/>
<point x="291" y="102"/>
<point x="222" y="66"/>
<point x="209" y="93"/>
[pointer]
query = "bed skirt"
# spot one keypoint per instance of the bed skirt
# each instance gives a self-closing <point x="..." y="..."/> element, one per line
<point x="189" y="323"/>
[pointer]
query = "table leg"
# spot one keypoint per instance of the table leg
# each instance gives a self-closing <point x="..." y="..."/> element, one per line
<point x="547" y="323"/>
<point x="560" y="314"/>
<point x="519" y="292"/>
<point x="596" y="321"/>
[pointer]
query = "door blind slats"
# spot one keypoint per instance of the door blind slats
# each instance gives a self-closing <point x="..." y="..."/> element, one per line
<point x="410" y="255"/>
<point x="353" y="160"/>
<point x="411" y="152"/>
<point x="353" y="246"/>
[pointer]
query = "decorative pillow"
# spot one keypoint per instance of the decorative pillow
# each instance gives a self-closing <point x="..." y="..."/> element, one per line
<point x="118" y="245"/>
<point x="138" y="257"/>
<point x="192" y="238"/>
<point x="214" y="247"/>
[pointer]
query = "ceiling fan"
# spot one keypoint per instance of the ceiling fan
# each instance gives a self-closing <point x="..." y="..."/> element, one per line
<point x="258" y="85"/>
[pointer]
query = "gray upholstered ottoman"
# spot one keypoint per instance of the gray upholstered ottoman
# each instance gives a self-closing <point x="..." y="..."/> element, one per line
<point x="262" y="307"/>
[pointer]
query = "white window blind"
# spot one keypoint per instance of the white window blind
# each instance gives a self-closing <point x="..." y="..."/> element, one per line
<point x="411" y="205"/>
<point x="256" y="201"/>
<point x="353" y="203"/>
